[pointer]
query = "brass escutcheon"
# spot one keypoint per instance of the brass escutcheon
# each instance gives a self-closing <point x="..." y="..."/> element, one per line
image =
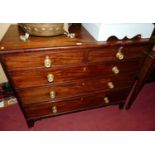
<point x="47" y="62"/>
<point x="119" y="54"/>
<point x="106" y="100"/>
<point x="115" y="70"/>
<point x="110" y="85"/>
<point x="54" y="109"/>
<point x="52" y="94"/>
<point x="50" y="77"/>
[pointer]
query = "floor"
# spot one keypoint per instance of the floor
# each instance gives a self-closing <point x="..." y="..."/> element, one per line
<point x="140" y="117"/>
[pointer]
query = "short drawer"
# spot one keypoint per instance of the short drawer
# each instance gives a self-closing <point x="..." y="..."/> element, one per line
<point x="44" y="59"/>
<point x="41" y="94"/>
<point x="117" y="53"/>
<point x="80" y="103"/>
<point x="39" y="77"/>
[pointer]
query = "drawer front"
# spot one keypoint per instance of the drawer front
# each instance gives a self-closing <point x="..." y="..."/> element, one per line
<point x="41" y="59"/>
<point x="81" y="103"/>
<point x="38" y="77"/>
<point x="41" y="94"/>
<point x="117" y="53"/>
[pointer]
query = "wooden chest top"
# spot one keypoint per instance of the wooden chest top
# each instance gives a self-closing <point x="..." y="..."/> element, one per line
<point x="11" y="41"/>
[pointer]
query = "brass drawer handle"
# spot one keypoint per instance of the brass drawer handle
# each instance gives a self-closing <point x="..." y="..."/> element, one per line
<point x="106" y="100"/>
<point x="110" y="85"/>
<point x="52" y="94"/>
<point x="50" y="77"/>
<point x="119" y="54"/>
<point x="47" y="62"/>
<point x="115" y="70"/>
<point x="54" y="109"/>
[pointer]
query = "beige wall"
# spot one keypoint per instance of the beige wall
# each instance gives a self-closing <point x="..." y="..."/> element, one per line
<point x="3" y="29"/>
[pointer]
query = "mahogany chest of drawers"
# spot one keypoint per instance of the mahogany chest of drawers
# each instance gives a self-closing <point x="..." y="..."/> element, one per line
<point x="57" y="75"/>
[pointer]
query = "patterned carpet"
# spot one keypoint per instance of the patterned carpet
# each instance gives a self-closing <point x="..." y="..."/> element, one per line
<point x="140" y="117"/>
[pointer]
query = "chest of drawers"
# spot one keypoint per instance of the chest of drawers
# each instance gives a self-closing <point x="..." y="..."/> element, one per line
<point x="52" y="76"/>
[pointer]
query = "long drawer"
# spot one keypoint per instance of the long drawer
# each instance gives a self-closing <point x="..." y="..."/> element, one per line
<point x="80" y="103"/>
<point x="38" y="77"/>
<point x="77" y="88"/>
